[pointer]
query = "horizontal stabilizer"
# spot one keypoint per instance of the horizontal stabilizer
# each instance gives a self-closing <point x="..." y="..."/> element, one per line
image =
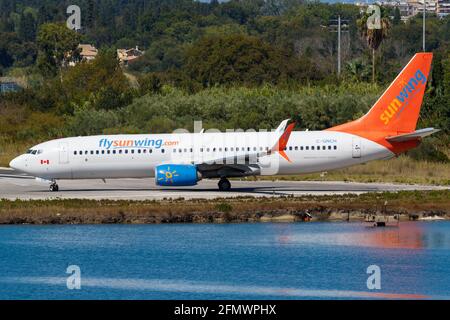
<point x="418" y="134"/>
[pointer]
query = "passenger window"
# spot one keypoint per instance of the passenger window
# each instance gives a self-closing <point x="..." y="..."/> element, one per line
<point x="307" y="147"/>
<point x="296" y="148"/>
<point x="290" y="148"/>
<point x="162" y="150"/>
<point x="248" y="149"/>
<point x="191" y="150"/>
<point x="180" y="150"/>
<point x="301" y="148"/>
<point x="103" y="151"/>
<point x="75" y="153"/>
<point x="114" y="151"/>
<point x="126" y="151"/>
<point x="120" y="151"/>
<point x="254" y="149"/>
<point x="201" y="149"/>
<point x="226" y="149"/>
<point x="85" y="152"/>
<point x="207" y="149"/>
<point x="97" y="152"/>
<point x="312" y="147"/>
<point x="144" y="151"/>
<point x="335" y="147"/>
<point x="132" y="151"/>
<point x="109" y="151"/>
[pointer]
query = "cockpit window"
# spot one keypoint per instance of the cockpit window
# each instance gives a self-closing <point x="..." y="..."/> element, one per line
<point x="33" y="151"/>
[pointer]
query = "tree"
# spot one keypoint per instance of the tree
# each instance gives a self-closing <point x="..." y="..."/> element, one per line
<point x="101" y="82"/>
<point x="397" y="16"/>
<point x="57" y="45"/>
<point x="150" y="83"/>
<point x="234" y="59"/>
<point x="27" y="27"/>
<point x="374" y="36"/>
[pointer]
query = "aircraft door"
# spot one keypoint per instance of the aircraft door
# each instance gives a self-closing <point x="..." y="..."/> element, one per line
<point x="356" y="147"/>
<point x="63" y="153"/>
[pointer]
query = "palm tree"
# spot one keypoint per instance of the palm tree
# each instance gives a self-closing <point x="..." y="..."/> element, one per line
<point x="374" y="36"/>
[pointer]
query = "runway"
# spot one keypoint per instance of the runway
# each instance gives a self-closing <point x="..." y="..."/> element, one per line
<point x="18" y="186"/>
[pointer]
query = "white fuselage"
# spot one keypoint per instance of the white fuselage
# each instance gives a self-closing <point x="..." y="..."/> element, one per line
<point x="136" y="156"/>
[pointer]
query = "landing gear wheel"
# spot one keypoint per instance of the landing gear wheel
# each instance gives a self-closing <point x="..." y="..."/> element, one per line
<point x="224" y="184"/>
<point x="54" y="187"/>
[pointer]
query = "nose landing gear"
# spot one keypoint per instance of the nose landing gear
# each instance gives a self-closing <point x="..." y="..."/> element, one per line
<point x="54" y="187"/>
<point x="224" y="184"/>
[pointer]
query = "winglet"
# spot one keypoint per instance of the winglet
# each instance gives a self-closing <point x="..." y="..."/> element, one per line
<point x="281" y="128"/>
<point x="280" y="146"/>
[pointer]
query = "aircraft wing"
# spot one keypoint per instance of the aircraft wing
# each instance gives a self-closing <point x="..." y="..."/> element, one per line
<point x="246" y="163"/>
<point x="418" y="134"/>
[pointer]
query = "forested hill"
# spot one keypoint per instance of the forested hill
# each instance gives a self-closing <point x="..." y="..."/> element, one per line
<point x="293" y="35"/>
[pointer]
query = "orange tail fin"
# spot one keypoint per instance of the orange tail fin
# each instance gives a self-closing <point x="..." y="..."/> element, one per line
<point x="397" y="110"/>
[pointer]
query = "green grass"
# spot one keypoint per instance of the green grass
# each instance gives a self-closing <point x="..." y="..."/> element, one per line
<point x="398" y="170"/>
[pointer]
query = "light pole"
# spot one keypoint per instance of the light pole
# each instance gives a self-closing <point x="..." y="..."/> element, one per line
<point x="339" y="46"/>
<point x="424" y="14"/>
<point x="338" y="28"/>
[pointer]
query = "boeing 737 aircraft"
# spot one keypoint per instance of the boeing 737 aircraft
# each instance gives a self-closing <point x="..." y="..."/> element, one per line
<point x="182" y="159"/>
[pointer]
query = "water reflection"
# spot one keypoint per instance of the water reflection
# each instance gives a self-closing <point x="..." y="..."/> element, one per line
<point x="407" y="235"/>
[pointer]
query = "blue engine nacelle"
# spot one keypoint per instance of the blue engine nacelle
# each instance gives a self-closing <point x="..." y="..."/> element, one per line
<point x="176" y="175"/>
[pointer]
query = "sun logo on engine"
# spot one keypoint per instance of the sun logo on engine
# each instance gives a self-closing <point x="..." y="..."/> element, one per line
<point x="168" y="175"/>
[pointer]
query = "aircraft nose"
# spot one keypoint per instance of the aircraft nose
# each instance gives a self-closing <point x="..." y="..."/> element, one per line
<point x="16" y="164"/>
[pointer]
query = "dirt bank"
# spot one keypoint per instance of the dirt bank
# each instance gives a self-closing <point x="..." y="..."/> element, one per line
<point x="407" y="205"/>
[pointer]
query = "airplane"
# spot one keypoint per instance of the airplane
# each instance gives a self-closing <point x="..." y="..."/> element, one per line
<point x="183" y="158"/>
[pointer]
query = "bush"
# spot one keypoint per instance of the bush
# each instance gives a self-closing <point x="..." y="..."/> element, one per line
<point x="89" y="121"/>
<point x="428" y="151"/>
<point x="224" y="207"/>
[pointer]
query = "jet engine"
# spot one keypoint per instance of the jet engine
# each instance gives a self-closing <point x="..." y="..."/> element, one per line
<point x="177" y="175"/>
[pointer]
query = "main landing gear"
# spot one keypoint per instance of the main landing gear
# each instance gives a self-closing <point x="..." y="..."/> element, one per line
<point x="54" y="187"/>
<point x="224" y="184"/>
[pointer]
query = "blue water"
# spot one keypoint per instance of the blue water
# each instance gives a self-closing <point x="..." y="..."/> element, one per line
<point x="225" y="261"/>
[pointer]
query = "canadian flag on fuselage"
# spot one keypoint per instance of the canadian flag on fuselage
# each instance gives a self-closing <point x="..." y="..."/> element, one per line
<point x="396" y="112"/>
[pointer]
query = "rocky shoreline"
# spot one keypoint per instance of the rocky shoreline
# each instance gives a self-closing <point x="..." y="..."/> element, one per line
<point x="428" y="205"/>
